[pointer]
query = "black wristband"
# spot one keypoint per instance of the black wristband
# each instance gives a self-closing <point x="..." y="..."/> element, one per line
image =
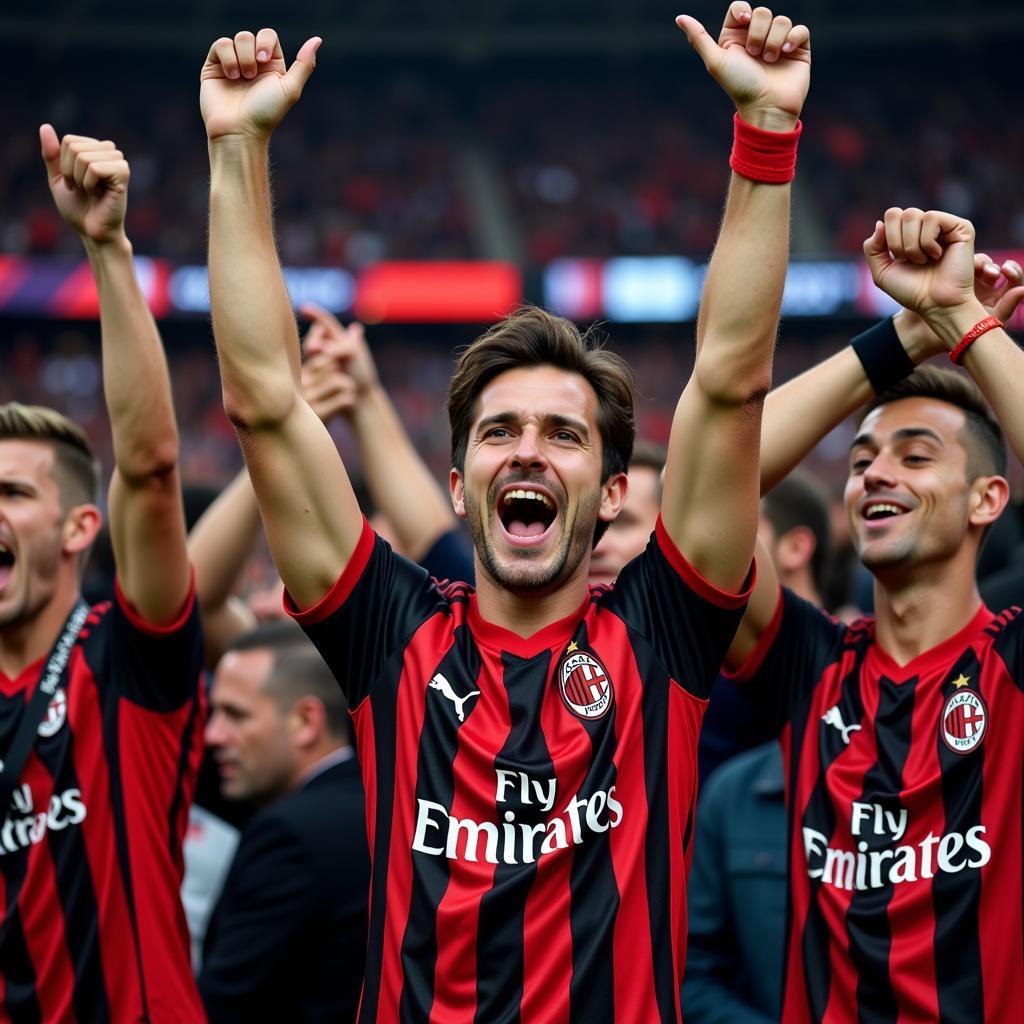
<point x="882" y="355"/>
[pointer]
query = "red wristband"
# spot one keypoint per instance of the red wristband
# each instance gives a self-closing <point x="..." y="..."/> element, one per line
<point x="990" y="323"/>
<point x="764" y="156"/>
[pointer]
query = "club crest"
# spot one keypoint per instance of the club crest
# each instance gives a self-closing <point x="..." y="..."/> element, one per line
<point x="56" y="712"/>
<point x="964" y="721"/>
<point x="585" y="685"/>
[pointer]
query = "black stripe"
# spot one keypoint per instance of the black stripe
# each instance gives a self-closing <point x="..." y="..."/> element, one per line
<point x="435" y="781"/>
<point x="593" y="891"/>
<point x="112" y="748"/>
<point x="819" y="815"/>
<point x="174" y="831"/>
<point x="956" y="896"/>
<point x="75" y="888"/>
<point x="503" y="908"/>
<point x="19" y="975"/>
<point x="654" y="710"/>
<point x="867" y="921"/>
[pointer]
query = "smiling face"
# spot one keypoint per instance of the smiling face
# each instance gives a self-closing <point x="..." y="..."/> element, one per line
<point x="32" y="530"/>
<point x="531" y="491"/>
<point x="908" y="496"/>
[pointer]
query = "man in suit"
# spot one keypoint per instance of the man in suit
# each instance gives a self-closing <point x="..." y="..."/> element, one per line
<point x="287" y="938"/>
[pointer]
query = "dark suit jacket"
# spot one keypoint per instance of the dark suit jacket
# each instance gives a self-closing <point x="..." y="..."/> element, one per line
<point x="287" y="939"/>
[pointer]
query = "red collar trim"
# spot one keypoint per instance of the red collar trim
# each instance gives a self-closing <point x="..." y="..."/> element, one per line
<point x="935" y="656"/>
<point x="555" y="634"/>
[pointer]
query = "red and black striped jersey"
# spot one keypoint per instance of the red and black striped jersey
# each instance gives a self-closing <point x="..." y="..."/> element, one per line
<point x="90" y="848"/>
<point x="529" y="801"/>
<point x="904" y="809"/>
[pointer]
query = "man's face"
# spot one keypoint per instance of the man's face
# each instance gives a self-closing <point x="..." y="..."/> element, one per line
<point x="531" y="491"/>
<point x="907" y="496"/>
<point x="31" y="530"/>
<point x="247" y="731"/>
<point x="628" y="535"/>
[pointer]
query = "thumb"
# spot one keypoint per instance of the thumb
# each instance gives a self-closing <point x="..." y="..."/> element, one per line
<point x="50" y="146"/>
<point x="876" y="249"/>
<point x="1008" y="302"/>
<point x="302" y="67"/>
<point x="697" y="36"/>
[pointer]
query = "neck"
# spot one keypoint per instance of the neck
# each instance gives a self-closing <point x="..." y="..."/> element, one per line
<point x="916" y="613"/>
<point x="31" y="639"/>
<point x="313" y="756"/>
<point x="527" y="611"/>
<point x="801" y="584"/>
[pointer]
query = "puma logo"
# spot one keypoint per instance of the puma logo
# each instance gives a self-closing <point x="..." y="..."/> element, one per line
<point x="835" y="717"/>
<point x="442" y="685"/>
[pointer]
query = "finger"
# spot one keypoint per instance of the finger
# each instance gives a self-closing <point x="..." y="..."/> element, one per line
<point x="985" y="268"/>
<point x="85" y="159"/>
<point x="799" y="38"/>
<point x="911" y="224"/>
<point x="1013" y="272"/>
<point x="697" y="36"/>
<point x="893" y="220"/>
<point x="876" y="249"/>
<point x="106" y="174"/>
<point x="931" y="229"/>
<point x="319" y="315"/>
<point x="953" y="228"/>
<point x="70" y="146"/>
<point x="245" y="50"/>
<point x="737" y="15"/>
<point x="267" y="46"/>
<point x="778" y="33"/>
<point x="1008" y="303"/>
<point x="757" y="30"/>
<point x="223" y="53"/>
<point x="305" y="61"/>
<point x="49" y="144"/>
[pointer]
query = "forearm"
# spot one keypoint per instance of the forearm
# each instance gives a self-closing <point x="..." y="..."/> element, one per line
<point x="254" y="327"/>
<point x="222" y="540"/>
<point x="401" y="485"/>
<point x="136" y="382"/>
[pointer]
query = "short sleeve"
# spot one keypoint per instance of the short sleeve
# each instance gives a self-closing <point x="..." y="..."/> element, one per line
<point x="378" y="601"/>
<point x="1008" y="627"/>
<point x="687" y="621"/>
<point x="449" y="559"/>
<point x="790" y="657"/>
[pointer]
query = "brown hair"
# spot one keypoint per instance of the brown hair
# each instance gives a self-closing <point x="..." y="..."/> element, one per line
<point x="982" y="436"/>
<point x="534" y="337"/>
<point x="75" y="467"/>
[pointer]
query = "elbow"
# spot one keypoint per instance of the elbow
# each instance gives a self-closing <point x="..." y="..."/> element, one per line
<point x="735" y="386"/>
<point x="157" y="462"/>
<point x="260" y="410"/>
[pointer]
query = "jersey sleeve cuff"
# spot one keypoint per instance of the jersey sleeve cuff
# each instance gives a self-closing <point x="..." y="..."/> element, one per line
<point x="755" y="659"/>
<point x="131" y="613"/>
<point x="697" y="583"/>
<point x="339" y="593"/>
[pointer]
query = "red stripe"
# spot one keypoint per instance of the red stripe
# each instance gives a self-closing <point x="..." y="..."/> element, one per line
<point x="366" y="744"/>
<point x="547" y="935"/>
<point x="150" y="750"/>
<point x="117" y="941"/>
<point x="911" y="916"/>
<point x="486" y="729"/>
<point x="999" y="915"/>
<point x="426" y="649"/>
<point x="42" y="917"/>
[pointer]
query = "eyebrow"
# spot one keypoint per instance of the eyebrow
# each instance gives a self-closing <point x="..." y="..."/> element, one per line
<point x="554" y="419"/>
<point x="903" y="434"/>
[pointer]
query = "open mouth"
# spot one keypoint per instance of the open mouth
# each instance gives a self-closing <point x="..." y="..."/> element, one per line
<point x="879" y="511"/>
<point x="6" y="563"/>
<point x="526" y="515"/>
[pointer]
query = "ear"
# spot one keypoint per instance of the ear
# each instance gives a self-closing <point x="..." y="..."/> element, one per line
<point x="307" y="722"/>
<point x="613" y="497"/>
<point x="81" y="525"/>
<point x="989" y="496"/>
<point x="795" y="549"/>
<point x="457" y="488"/>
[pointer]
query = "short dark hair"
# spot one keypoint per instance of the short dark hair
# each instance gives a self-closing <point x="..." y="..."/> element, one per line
<point x="75" y="467"/>
<point x="796" y="501"/>
<point x="534" y="337"/>
<point x="982" y="436"/>
<point x="298" y="670"/>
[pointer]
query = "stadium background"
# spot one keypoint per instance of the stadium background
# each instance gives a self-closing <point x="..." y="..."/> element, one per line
<point x="451" y="160"/>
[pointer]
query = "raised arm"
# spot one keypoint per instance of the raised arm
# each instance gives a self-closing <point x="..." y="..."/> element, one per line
<point x="309" y="512"/>
<point x="710" y="500"/>
<point x="89" y="183"/>
<point x="925" y="262"/>
<point x="398" y="479"/>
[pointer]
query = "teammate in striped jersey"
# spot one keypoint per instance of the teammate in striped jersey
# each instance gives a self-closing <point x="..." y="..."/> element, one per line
<point x="527" y="747"/>
<point x="93" y="813"/>
<point x="902" y="733"/>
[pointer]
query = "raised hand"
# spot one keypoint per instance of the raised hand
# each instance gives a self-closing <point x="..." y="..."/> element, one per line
<point x="245" y="88"/>
<point x="761" y="60"/>
<point x="345" y="346"/>
<point x="925" y="261"/>
<point x="89" y="183"/>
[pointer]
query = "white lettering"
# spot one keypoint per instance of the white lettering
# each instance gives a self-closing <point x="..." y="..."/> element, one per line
<point x="422" y="823"/>
<point x="949" y="846"/>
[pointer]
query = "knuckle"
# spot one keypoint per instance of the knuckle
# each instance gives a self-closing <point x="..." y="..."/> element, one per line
<point x="244" y="36"/>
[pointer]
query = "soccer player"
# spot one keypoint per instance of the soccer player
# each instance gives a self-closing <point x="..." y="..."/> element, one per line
<point x="102" y="719"/>
<point x="527" y="748"/>
<point x="901" y="734"/>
